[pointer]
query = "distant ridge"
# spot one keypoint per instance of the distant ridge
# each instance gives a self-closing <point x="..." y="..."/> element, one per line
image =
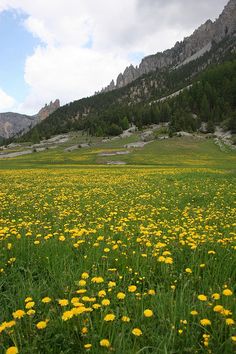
<point x="183" y="52"/>
<point x="12" y="124"/>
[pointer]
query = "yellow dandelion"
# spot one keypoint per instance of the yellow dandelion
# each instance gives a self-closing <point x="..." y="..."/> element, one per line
<point x="194" y="313"/>
<point x="67" y="315"/>
<point x="12" y="350"/>
<point x="63" y="302"/>
<point x="102" y="293"/>
<point x="218" y="308"/>
<point x="121" y="296"/>
<point x="18" y="314"/>
<point x="229" y="321"/>
<point x="109" y="317"/>
<point x="97" y="280"/>
<point x="105" y="343"/>
<point x="148" y="313"/>
<point x="202" y="297"/>
<point x="132" y="288"/>
<point x="125" y="319"/>
<point x="188" y="270"/>
<point x="227" y="292"/>
<point x="205" y="322"/>
<point x="105" y="302"/>
<point x="137" y="332"/>
<point x="31" y="312"/>
<point x="85" y="275"/>
<point x="41" y="324"/>
<point x="87" y="346"/>
<point x="29" y="305"/>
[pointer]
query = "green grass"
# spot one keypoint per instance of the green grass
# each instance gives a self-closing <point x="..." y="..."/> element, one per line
<point x="171" y="208"/>
<point x="175" y="152"/>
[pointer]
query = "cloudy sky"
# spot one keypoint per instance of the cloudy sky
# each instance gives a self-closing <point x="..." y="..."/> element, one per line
<point x="68" y="49"/>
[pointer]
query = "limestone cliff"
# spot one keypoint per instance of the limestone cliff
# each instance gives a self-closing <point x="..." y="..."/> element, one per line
<point x="189" y="49"/>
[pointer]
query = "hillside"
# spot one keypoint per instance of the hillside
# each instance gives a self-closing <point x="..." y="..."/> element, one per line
<point x="12" y="124"/>
<point x="211" y="99"/>
<point x="200" y="42"/>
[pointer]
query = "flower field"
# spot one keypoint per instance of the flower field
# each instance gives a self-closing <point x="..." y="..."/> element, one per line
<point x="123" y="260"/>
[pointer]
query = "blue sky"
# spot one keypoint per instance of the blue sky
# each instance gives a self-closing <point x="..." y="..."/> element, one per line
<point x="16" y="43"/>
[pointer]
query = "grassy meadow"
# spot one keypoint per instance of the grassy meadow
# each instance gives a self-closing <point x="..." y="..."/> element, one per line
<point x="129" y="259"/>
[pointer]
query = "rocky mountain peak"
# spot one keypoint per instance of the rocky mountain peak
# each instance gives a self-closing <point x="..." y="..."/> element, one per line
<point x="15" y="123"/>
<point x="48" y="109"/>
<point x="183" y="52"/>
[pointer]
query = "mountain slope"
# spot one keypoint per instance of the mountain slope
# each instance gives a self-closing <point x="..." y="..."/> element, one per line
<point x="12" y="124"/>
<point x="189" y="49"/>
<point x="108" y="113"/>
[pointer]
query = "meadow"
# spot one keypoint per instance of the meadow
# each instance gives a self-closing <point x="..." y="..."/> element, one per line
<point x="128" y="259"/>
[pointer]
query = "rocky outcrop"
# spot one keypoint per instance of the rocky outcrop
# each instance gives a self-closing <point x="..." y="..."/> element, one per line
<point x="12" y="124"/>
<point x="189" y="49"/>
<point x="48" y="109"/>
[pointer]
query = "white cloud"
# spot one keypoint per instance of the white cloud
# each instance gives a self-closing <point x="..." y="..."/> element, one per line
<point x="67" y="73"/>
<point x="6" y="102"/>
<point x="86" y="43"/>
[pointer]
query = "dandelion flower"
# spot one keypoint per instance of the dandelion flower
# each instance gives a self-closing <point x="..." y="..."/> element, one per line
<point x="12" y="350"/>
<point x="18" y="314"/>
<point x="229" y="321"/>
<point x="202" y="297"/>
<point x="205" y="322"/>
<point x="121" y="296"/>
<point x="188" y="270"/>
<point x="148" y="313"/>
<point x="109" y="317"/>
<point x="194" y="313"/>
<point x="137" y="332"/>
<point x="41" y="324"/>
<point x="105" y="343"/>
<point x="227" y="292"/>
<point x="87" y="346"/>
<point x="29" y="305"/>
<point x="132" y="288"/>
<point x="125" y="319"/>
<point x="63" y="302"/>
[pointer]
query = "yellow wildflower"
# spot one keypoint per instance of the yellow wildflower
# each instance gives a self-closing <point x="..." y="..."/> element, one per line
<point x="148" y="313"/>
<point x="41" y="324"/>
<point x="132" y="288"/>
<point x="137" y="332"/>
<point x="121" y="296"/>
<point x="109" y="317"/>
<point x="12" y="350"/>
<point x="202" y="297"/>
<point x="105" y="343"/>
<point x="227" y="292"/>
<point x="205" y="322"/>
<point x="18" y="314"/>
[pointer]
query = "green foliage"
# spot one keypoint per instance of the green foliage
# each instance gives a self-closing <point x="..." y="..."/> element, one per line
<point x="211" y="98"/>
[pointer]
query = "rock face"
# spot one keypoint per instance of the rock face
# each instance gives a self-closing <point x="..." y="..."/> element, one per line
<point x="189" y="49"/>
<point x="15" y="123"/>
<point x="47" y="110"/>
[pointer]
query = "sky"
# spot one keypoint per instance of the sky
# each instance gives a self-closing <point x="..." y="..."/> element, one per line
<point x="68" y="49"/>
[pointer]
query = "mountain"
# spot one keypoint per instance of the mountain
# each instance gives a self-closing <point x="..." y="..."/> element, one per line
<point x="189" y="49"/>
<point x="12" y="124"/>
<point x="190" y="84"/>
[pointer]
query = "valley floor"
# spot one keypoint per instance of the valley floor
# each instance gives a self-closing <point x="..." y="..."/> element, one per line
<point x="138" y="258"/>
